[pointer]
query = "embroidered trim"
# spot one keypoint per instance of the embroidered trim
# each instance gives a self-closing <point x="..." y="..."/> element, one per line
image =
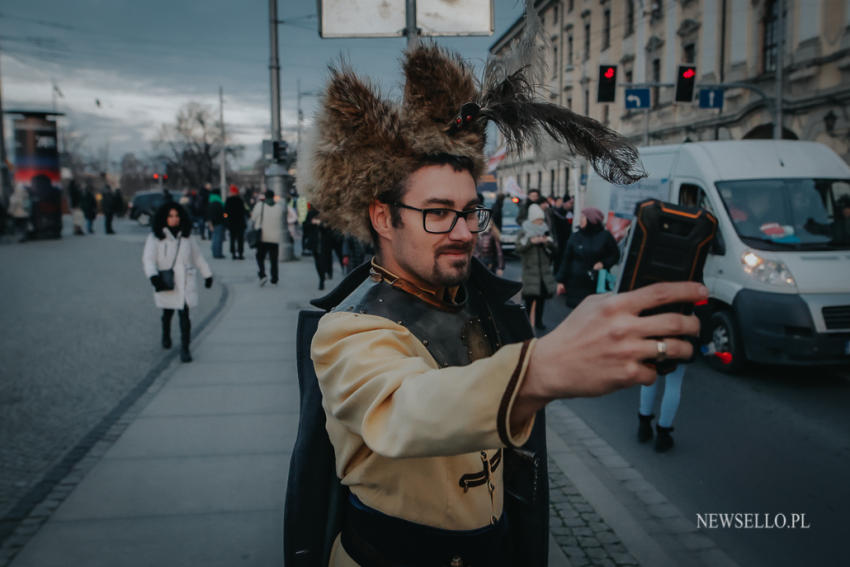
<point x="502" y="417"/>
<point x="471" y="480"/>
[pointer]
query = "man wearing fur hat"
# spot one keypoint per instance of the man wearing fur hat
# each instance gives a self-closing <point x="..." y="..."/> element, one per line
<point x="432" y="385"/>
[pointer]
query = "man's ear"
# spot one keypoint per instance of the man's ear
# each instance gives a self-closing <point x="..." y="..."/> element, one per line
<point x="381" y="217"/>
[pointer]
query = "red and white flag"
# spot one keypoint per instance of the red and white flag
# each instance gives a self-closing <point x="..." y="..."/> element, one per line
<point x="497" y="157"/>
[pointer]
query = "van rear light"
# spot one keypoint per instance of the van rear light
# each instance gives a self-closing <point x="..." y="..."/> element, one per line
<point x="725" y="357"/>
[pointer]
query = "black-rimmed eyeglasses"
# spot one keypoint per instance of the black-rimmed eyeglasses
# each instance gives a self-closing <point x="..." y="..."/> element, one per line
<point x="442" y="220"/>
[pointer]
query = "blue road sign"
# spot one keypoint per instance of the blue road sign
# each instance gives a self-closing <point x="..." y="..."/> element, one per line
<point x="711" y="98"/>
<point x="637" y="98"/>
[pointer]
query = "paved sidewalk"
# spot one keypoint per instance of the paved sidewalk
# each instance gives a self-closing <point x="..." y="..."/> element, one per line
<point x="195" y="472"/>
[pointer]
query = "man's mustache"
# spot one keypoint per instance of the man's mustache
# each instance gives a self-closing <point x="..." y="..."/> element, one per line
<point x="456" y="249"/>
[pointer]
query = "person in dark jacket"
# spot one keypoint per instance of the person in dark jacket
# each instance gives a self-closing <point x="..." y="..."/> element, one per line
<point x="215" y="220"/>
<point x="235" y="213"/>
<point x="535" y="247"/>
<point x="588" y="251"/>
<point x="107" y="205"/>
<point x="89" y="206"/>
<point x="321" y="244"/>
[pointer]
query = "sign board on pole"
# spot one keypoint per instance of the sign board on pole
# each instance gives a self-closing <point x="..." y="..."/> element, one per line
<point x="637" y="98"/>
<point x="711" y="98"/>
<point x="380" y="18"/>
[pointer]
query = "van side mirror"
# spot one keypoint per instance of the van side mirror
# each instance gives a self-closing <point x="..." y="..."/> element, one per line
<point x="718" y="248"/>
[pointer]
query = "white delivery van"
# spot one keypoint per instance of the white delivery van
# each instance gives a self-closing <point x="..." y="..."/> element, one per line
<point x="779" y="274"/>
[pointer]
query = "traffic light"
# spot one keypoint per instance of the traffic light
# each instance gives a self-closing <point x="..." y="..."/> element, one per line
<point x="607" y="83"/>
<point x="279" y="150"/>
<point x="156" y="176"/>
<point x="685" y="80"/>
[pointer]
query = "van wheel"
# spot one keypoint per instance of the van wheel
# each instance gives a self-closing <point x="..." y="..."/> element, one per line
<point x="144" y="219"/>
<point x="724" y="334"/>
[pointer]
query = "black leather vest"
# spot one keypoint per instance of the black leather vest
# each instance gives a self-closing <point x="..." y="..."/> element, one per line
<point x="454" y="338"/>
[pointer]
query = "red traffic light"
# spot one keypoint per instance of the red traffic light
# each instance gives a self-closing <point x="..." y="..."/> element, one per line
<point x="689" y="73"/>
<point x="156" y="176"/>
<point x="610" y="72"/>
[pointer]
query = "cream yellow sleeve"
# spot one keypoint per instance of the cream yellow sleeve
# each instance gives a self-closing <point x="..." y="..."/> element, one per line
<point x="381" y="382"/>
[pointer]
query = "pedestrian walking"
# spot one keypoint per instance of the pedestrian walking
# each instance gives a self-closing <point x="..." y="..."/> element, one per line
<point x="321" y="245"/>
<point x="588" y="250"/>
<point x="75" y="199"/>
<point x="236" y="215"/>
<point x="172" y="248"/>
<point x="488" y="249"/>
<point x="89" y="206"/>
<point x="107" y="205"/>
<point x="19" y="209"/>
<point x="215" y="221"/>
<point x="669" y="406"/>
<point x="536" y="247"/>
<point x="268" y="215"/>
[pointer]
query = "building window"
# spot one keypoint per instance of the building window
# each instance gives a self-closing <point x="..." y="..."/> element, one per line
<point x="566" y="183"/>
<point x="570" y="5"/>
<point x="629" y="75"/>
<point x="570" y="102"/>
<point x="555" y="15"/>
<point x="570" y="50"/>
<point x="606" y="29"/>
<point x="769" y="46"/>
<point x="586" y="41"/>
<point x="689" y="53"/>
<point x="551" y="182"/>
<point x="540" y="181"/>
<point x="630" y="17"/>
<point x="605" y="114"/>
<point x="527" y="182"/>
<point x="656" y="78"/>
<point x="657" y="9"/>
<point x="586" y="102"/>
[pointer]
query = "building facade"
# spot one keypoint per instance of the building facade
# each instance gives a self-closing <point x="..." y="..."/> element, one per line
<point x="729" y="41"/>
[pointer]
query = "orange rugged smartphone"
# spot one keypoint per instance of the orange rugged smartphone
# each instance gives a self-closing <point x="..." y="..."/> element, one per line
<point x="667" y="243"/>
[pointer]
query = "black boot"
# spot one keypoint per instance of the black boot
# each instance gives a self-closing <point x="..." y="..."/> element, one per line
<point x="645" y="427"/>
<point x="166" y="332"/>
<point x="185" y="337"/>
<point x="664" y="442"/>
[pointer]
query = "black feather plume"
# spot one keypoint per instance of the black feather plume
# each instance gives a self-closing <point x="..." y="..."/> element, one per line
<point x="510" y="104"/>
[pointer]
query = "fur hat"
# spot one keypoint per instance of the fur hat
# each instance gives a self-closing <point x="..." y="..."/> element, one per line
<point x="364" y="145"/>
<point x="535" y="212"/>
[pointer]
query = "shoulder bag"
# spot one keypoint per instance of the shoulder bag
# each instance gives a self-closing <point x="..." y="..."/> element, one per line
<point x="255" y="235"/>
<point x="167" y="276"/>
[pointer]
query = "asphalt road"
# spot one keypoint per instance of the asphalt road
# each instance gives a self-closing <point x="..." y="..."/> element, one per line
<point x="769" y="440"/>
<point x="79" y="330"/>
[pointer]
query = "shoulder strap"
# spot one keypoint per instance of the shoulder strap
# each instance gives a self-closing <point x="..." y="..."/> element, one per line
<point x="177" y="253"/>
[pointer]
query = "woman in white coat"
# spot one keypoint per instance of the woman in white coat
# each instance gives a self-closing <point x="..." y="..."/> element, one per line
<point x="171" y="246"/>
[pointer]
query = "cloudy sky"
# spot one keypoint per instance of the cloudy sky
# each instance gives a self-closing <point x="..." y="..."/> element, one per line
<point x="142" y="60"/>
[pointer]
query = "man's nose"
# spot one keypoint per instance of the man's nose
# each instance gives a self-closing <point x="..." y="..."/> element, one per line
<point x="461" y="231"/>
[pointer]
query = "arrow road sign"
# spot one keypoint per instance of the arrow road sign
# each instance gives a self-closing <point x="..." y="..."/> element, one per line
<point x="711" y="98"/>
<point x="637" y="98"/>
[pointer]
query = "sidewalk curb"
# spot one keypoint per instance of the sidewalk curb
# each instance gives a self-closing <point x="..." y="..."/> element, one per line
<point x="36" y="506"/>
<point x="652" y="529"/>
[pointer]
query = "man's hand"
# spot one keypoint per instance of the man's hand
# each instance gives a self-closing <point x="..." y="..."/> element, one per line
<point x="561" y="289"/>
<point x="601" y="347"/>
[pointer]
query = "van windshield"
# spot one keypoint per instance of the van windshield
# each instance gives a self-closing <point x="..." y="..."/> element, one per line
<point x="775" y="214"/>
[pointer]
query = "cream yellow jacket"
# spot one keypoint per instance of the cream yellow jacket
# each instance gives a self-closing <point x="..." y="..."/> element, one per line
<point x="405" y="431"/>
